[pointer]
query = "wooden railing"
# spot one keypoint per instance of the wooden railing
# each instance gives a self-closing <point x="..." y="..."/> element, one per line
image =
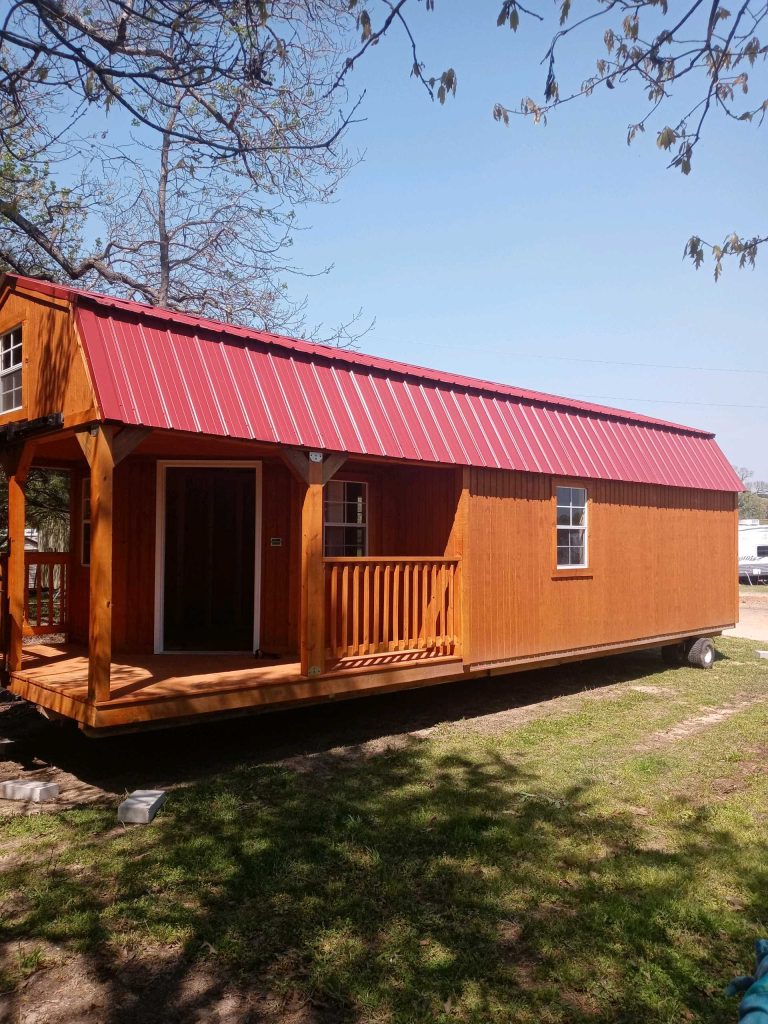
<point x="46" y="595"/>
<point x="386" y="605"/>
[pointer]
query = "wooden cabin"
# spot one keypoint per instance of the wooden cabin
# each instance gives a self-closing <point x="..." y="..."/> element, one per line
<point x="258" y="522"/>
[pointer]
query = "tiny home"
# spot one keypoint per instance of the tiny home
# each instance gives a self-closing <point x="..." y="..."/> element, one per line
<point x="258" y="522"/>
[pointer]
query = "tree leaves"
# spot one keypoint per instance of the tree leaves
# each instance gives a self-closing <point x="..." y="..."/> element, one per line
<point x="666" y="138"/>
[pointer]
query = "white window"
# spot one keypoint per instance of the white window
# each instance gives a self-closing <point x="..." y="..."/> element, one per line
<point x="85" y="522"/>
<point x="571" y="527"/>
<point x="345" y="515"/>
<point x="10" y="370"/>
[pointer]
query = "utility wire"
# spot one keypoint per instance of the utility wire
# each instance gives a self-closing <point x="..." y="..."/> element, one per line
<point x="674" y="401"/>
<point x="584" y="359"/>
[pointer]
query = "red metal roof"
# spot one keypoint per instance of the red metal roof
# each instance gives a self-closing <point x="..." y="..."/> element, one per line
<point x="173" y="371"/>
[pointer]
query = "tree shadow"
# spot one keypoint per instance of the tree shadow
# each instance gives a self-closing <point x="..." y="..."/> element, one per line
<point x="417" y="886"/>
<point x="174" y="755"/>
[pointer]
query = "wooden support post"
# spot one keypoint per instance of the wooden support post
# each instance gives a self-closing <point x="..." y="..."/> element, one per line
<point x="462" y="550"/>
<point x="312" y="574"/>
<point x="100" y="614"/>
<point x="17" y="465"/>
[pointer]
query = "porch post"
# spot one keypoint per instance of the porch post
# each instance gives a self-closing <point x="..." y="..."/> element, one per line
<point x="463" y="550"/>
<point x="312" y="573"/>
<point x="100" y="609"/>
<point x="17" y="467"/>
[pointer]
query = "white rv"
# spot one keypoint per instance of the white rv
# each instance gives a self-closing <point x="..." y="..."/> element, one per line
<point x="753" y="551"/>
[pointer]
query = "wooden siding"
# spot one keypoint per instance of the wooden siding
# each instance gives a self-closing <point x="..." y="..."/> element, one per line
<point x="54" y="374"/>
<point x="411" y="509"/>
<point x="134" y="559"/>
<point x="661" y="561"/>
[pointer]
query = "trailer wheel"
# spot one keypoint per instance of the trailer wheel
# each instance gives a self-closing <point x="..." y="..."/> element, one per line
<point x="702" y="653"/>
<point x="674" y="654"/>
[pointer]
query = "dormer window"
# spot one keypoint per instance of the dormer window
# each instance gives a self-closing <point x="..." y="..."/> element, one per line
<point x="10" y="370"/>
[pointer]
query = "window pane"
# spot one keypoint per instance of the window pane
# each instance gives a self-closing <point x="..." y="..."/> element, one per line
<point x="354" y="491"/>
<point x="334" y="512"/>
<point x="578" y="516"/>
<point x="563" y="495"/>
<point x="579" y="496"/>
<point x="563" y="516"/>
<point x="354" y="512"/>
<point x="563" y="556"/>
<point x="345" y="518"/>
<point x="10" y="371"/>
<point x="334" y="541"/>
<point x="334" y="491"/>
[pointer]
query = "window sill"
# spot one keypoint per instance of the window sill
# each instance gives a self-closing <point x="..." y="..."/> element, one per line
<point x="572" y="574"/>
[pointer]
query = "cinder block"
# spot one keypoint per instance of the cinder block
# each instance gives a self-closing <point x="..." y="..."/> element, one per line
<point x="29" y="789"/>
<point x="141" y="806"/>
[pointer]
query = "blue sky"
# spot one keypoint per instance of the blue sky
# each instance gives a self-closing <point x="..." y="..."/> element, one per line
<point x="544" y="257"/>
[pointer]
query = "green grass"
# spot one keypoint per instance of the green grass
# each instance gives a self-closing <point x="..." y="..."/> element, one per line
<point x="579" y="867"/>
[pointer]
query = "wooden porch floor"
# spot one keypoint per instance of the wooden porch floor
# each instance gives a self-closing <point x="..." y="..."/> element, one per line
<point x="146" y="688"/>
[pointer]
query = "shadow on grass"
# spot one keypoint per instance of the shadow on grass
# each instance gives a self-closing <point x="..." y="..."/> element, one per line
<point x="162" y="758"/>
<point x="417" y="886"/>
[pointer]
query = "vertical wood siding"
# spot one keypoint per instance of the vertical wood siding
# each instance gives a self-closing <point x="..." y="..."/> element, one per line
<point x="661" y="560"/>
<point x="54" y="374"/>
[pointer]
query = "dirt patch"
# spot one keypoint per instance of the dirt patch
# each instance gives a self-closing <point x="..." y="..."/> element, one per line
<point x="166" y="989"/>
<point x="698" y="723"/>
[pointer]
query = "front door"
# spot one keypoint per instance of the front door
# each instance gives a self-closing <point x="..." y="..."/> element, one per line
<point x="210" y="530"/>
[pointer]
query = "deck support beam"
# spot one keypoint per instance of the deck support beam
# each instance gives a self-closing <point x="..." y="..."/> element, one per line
<point x="98" y="449"/>
<point x="312" y="572"/>
<point x="16" y="464"/>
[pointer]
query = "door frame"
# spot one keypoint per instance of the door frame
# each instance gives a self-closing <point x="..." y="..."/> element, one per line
<point x="163" y="465"/>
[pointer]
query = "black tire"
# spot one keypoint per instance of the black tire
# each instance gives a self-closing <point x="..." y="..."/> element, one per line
<point x="701" y="653"/>
<point x="674" y="654"/>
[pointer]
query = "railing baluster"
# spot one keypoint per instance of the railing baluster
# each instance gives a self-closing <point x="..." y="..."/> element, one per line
<point x="384" y="639"/>
<point x="334" y="608"/>
<point x="355" y="611"/>
<point x="406" y="606"/>
<point x="366" y="609"/>
<point x="376" y="608"/>
<point x="443" y="631"/>
<point x="344" y="648"/>
<point x="376" y="605"/>
<point x="46" y="582"/>
<point x="395" y="644"/>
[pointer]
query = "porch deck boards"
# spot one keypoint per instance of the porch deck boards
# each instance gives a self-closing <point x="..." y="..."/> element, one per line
<point x="145" y="688"/>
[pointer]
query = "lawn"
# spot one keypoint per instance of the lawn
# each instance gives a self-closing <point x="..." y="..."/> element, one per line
<point x="603" y="861"/>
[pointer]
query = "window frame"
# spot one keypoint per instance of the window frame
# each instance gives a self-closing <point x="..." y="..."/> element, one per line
<point x="583" y="571"/>
<point x="365" y="526"/>
<point x="19" y="327"/>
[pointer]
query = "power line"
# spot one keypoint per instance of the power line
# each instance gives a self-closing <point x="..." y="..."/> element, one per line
<point x="675" y="401"/>
<point x="585" y="359"/>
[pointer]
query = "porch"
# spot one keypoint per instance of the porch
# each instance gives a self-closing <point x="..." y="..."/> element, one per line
<point x="158" y="687"/>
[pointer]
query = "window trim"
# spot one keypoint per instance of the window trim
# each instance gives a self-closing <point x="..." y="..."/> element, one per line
<point x="566" y="572"/>
<point x="3" y="373"/>
<point x="364" y="526"/>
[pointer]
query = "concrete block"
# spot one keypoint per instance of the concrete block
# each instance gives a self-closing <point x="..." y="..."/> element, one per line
<point x="141" y="806"/>
<point x="29" y="789"/>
